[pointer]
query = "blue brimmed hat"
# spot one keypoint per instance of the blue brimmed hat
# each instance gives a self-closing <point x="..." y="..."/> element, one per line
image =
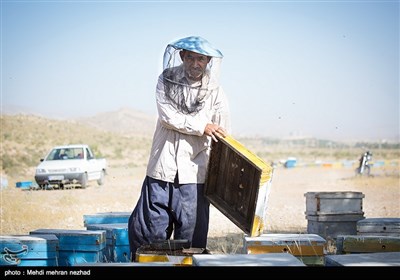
<point x="198" y="45"/>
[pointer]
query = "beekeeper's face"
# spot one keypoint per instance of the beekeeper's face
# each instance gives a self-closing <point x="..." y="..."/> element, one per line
<point x="194" y="64"/>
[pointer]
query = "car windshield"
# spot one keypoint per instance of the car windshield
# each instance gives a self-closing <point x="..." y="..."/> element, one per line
<point x="65" y="153"/>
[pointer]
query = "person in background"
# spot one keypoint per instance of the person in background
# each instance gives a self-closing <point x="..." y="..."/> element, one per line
<point x="192" y="109"/>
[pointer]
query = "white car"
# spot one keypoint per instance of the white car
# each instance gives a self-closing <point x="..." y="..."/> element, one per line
<point x="70" y="165"/>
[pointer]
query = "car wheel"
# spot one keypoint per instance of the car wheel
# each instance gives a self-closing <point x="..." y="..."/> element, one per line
<point x="84" y="181"/>
<point x="100" y="181"/>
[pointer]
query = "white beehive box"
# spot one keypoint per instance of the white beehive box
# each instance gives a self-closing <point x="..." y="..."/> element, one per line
<point x="273" y="259"/>
<point x="368" y="259"/>
<point x="325" y="203"/>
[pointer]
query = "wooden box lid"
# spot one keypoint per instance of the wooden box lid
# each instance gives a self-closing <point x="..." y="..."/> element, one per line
<point x="238" y="184"/>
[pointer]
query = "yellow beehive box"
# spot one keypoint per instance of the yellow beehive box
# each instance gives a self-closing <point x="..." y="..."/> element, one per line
<point x="309" y="248"/>
<point x="177" y="252"/>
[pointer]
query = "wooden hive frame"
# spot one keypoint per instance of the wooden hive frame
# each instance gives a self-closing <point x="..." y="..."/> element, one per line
<point x="238" y="184"/>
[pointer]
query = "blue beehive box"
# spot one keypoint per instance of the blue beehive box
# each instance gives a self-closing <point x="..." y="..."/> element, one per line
<point x="24" y="185"/>
<point x="78" y="246"/>
<point x="106" y="218"/>
<point x="291" y="162"/>
<point x="117" y="241"/>
<point x="27" y="250"/>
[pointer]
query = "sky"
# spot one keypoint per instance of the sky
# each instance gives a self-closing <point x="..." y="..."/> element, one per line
<point x="325" y="69"/>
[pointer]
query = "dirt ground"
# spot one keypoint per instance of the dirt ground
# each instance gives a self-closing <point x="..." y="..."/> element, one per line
<point x="24" y="211"/>
<point x="287" y="202"/>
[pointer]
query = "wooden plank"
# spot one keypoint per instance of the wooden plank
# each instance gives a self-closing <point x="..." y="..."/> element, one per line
<point x="379" y="225"/>
<point x="395" y="234"/>
<point x="238" y="184"/>
<point x="346" y="244"/>
<point x="228" y="195"/>
<point x="249" y="199"/>
<point x="336" y="217"/>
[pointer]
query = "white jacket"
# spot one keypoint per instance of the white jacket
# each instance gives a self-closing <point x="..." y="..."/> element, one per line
<point x="179" y="143"/>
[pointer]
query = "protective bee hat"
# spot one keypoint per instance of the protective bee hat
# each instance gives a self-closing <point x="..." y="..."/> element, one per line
<point x="180" y="91"/>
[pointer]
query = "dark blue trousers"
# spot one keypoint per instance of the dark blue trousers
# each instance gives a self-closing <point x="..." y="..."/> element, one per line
<point x="166" y="208"/>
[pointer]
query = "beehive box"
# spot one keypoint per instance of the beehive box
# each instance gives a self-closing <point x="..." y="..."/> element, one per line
<point x="26" y="185"/>
<point x="379" y="226"/>
<point x="290" y="162"/>
<point x="117" y="241"/>
<point x="106" y="218"/>
<point x="367" y="259"/>
<point x="325" y="203"/>
<point x="78" y="246"/>
<point x="308" y="248"/>
<point x="272" y="259"/>
<point x="26" y="250"/>
<point x="238" y="184"/>
<point x="332" y="225"/>
<point x="349" y="244"/>
<point x="177" y="252"/>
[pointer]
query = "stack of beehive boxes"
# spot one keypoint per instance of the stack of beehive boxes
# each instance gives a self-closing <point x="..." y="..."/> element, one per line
<point x="330" y="214"/>
<point x="373" y="235"/>
<point x="377" y="243"/>
<point x="117" y="241"/>
<point x="116" y="226"/>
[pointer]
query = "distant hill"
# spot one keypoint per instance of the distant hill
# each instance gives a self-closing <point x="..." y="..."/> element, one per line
<point x="125" y="121"/>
